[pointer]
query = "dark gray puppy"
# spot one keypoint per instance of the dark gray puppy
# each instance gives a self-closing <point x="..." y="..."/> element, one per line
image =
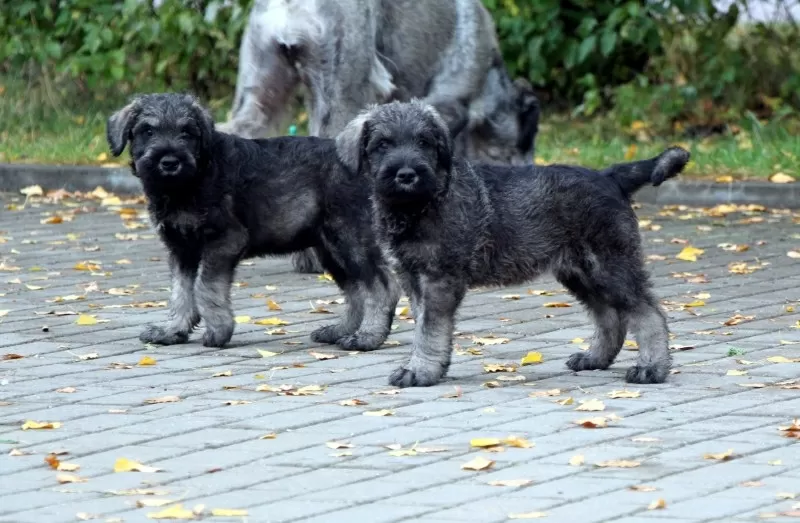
<point x="217" y="199"/>
<point x="447" y="225"/>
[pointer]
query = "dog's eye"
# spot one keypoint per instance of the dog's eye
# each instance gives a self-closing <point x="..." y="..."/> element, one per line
<point x="148" y="131"/>
<point x="382" y="145"/>
<point x="424" y="142"/>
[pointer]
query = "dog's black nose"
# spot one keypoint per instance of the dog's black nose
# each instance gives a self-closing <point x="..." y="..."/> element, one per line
<point x="169" y="164"/>
<point x="405" y="175"/>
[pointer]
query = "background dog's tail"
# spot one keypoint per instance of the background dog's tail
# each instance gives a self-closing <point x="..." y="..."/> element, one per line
<point x="634" y="175"/>
<point x="291" y="23"/>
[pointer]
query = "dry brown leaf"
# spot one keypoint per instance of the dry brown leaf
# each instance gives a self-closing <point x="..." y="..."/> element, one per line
<point x="162" y="399"/>
<point x="544" y="393"/>
<point x="618" y="463"/>
<point x="70" y="478"/>
<point x="556" y="305"/>
<point x="12" y="356"/>
<point x="642" y="488"/>
<point x="52" y="460"/>
<point x="626" y="394"/>
<point x="355" y="402"/>
<point x="499" y="367"/>
<point x="479" y="463"/>
<point x="322" y="356"/>
<point x="510" y="482"/>
<point x="38" y="425"/>
<point x="592" y="423"/>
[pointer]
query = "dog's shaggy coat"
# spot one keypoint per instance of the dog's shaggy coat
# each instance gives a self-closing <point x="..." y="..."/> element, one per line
<point x="448" y="225"/>
<point x="217" y="199"/>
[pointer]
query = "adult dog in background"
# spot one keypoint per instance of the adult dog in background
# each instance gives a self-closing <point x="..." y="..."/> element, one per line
<point x="348" y="54"/>
<point x="448" y="225"/>
<point x="216" y="199"/>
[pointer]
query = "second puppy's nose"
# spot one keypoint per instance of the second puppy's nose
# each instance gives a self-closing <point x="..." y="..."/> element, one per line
<point x="169" y="164"/>
<point x="406" y="175"/>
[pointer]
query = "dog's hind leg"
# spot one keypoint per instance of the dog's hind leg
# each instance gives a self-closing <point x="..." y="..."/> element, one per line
<point x="380" y="299"/>
<point x="433" y="335"/>
<point x="183" y="315"/>
<point x="649" y="326"/>
<point x="354" y="292"/>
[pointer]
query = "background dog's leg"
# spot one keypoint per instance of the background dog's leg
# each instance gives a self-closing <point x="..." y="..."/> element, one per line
<point x="183" y="315"/>
<point x="354" y="293"/>
<point x="652" y="335"/>
<point x="433" y="335"/>
<point x="213" y="286"/>
<point x="380" y="299"/>
<point x="307" y="262"/>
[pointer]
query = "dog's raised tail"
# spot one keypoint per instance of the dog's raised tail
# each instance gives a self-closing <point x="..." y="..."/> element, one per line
<point x="634" y="175"/>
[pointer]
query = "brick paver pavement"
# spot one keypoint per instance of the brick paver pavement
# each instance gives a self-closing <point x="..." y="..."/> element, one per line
<point x="733" y="387"/>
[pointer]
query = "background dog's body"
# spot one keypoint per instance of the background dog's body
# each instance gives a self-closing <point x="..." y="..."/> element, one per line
<point x="352" y="53"/>
<point x="449" y="226"/>
<point x="217" y="199"/>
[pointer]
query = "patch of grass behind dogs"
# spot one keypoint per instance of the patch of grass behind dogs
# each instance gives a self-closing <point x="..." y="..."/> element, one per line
<point x="65" y="125"/>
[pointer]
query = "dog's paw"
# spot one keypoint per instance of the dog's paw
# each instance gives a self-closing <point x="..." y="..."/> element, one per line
<point x="329" y="334"/>
<point x="584" y="361"/>
<point x="421" y="377"/>
<point x="306" y="262"/>
<point x="160" y="336"/>
<point x="361" y="341"/>
<point x="217" y="335"/>
<point x="648" y="374"/>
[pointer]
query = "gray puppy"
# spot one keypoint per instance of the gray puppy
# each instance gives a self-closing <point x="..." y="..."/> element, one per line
<point x="448" y="225"/>
<point x="347" y="54"/>
<point x="217" y="199"/>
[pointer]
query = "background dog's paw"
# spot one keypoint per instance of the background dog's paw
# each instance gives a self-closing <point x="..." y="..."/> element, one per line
<point x="646" y="374"/>
<point x="160" y="336"/>
<point x="306" y="262"/>
<point x="584" y="361"/>
<point x="217" y="336"/>
<point x="329" y="334"/>
<point x="404" y="377"/>
<point x="361" y="341"/>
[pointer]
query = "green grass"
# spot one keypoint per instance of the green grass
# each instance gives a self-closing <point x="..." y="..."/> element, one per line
<point x="48" y="126"/>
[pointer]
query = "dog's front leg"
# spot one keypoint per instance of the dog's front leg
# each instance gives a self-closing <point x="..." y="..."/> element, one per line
<point x="433" y="334"/>
<point x="213" y="286"/>
<point x="183" y="315"/>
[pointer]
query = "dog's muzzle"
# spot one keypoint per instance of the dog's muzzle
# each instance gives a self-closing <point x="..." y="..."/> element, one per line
<point x="169" y="165"/>
<point x="406" y="177"/>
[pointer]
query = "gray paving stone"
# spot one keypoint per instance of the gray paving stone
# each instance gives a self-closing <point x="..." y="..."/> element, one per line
<point x="212" y="454"/>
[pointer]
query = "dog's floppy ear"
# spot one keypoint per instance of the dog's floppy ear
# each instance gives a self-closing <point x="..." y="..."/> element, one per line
<point x="444" y="138"/>
<point x="351" y="142"/>
<point x="119" y="125"/>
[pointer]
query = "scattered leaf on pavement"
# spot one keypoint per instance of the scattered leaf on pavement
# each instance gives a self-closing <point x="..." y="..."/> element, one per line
<point x="478" y="463"/>
<point x="510" y="482"/>
<point x="657" y="504"/>
<point x="531" y="358"/>
<point x="127" y="465"/>
<point x="618" y="463"/>
<point x="722" y="456"/>
<point x="592" y="405"/>
<point x="36" y="425"/>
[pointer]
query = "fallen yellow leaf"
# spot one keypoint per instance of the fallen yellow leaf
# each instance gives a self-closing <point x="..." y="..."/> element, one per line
<point x="499" y="367"/>
<point x="642" y="488"/>
<point x="724" y="179"/>
<point x="32" y="190"/>
<point x="228" y="512"/>
<point x="490" y="340"/>
<point x="266" y="353"/>
<point x="384" y="412"/>
<point x="577" y="460"/>
<point x="735" y="372"/>
<point x="484" y="442"/>
<point x="531" y="358"/>
<point x="146" y="361"/>
<point x="271" y="435"/>
<point x="163" y="399"/>
<point x="722" y="456"/>
<point x="271" y="321"/>
<point x="37" y="425"/>
<point x="153" y="502"/>
<point x="70" y="478"/>
<point x="479" y="463"/>
<point x="516" y="441"/>
<point x="242" y="319"/>
<point x="689" y="253"/>
<point x="127" y="465"/>
<point x="85" y="319"/>
<point x="782" y="359"/>
<point x="322" y="356"/>
<point x="630" y="152"/>
<point x="657" y="504"/>
<point x="592" y="405"/>
<point x="173" y="512"/>
<point x="619" y="394"/>
<point x="68" y="467"/>
<point x="352" y="403"/>
<point x="528" y="515"/>
<point x="566" y="401"/>
<point x="781" y="178"/>
<point x="273" y="305"/>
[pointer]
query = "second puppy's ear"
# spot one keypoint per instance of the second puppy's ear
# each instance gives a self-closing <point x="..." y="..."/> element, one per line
<point x="351" y="142"/>
<point x="119" y="125"/>
<point x="454" y="114"/>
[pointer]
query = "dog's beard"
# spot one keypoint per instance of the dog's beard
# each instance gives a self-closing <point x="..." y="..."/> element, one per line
<point x="422" y="191"/>
<point x="147" y="167"/>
